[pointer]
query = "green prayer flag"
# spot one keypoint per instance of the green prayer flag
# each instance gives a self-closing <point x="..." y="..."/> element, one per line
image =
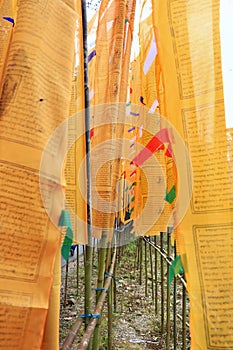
<point x="65" y="250"/>
<point x="175" y="269"/>
<point x="64" y="221"/>
<point x="171" y="195"/>
<point x="132" y="185"/>
<point x="131" y="210"/>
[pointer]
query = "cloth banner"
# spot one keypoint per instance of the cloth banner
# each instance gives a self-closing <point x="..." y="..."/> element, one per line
<point x="36" y="64"/>
<point x="189" y="56"/>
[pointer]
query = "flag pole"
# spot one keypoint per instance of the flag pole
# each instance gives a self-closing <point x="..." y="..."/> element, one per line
<point x="87" y="119"/>
<point x="88" y="264"/>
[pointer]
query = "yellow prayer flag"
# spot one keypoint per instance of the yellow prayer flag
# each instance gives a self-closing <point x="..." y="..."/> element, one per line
<point x="36" y="71"/>
<point x="190" y="59"/>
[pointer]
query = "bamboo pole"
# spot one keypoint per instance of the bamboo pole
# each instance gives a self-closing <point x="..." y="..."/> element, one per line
<point x="136" y="260"/>
<point x="115" y="288"/>
<point x="152" y="274"/>
<point x="174" y="305"/>
<point x="140" y="262"/>
<point x="101" y="266"/>
<point x="108" y="261"/>
<point x="84" y="254"/>
<point x="91" y="326"/>
<point x="156" y="276"/>
<point x="110" y="316"/>
<point x="146" y="271"/>
<point x="166" y="259"/>
<point x="88" y="276"/>
<point x="168" y="292"/>
<point x="72" y="335"/>
<point x="108" y="258"/>
<point x="93" y="251"/>
<point x="77" y="269"/>
<point x="162" y="284"/>
<point x="184" y="299"/>
<point x="100" y="283"/>
<point x="89" y="250"/>
<point x="66" y="284"/>
<point x="182" y="317"/>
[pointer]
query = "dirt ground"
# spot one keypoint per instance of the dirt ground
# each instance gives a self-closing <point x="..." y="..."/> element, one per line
<point x="136" y="325"/>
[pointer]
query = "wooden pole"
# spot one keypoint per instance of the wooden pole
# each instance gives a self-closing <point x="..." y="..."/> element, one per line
<point x="162" y="283"/>
<point x="174" y="306"/>
<point x="152" y="274"/>
<point x="110" y="316"/>
<point x="92" y="323"/>
<point x="140" y="261"/>
<point x="66" y="284"/>
<point x="77" y="269"/>
<point x="168" y="292"/>
<point x="89" y="250"/>
<point x="72" y="335"/>
<point x="100" y="283"/>
<point x="146" y="271"/>
<point x="156" y="276"/>
<point x="184" y="300"/>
